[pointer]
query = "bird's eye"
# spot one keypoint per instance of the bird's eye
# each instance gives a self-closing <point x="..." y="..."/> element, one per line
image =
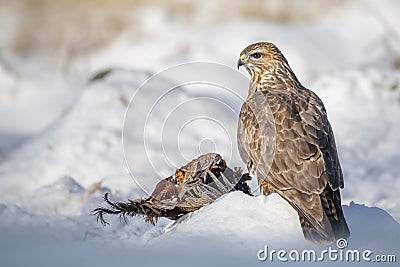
<point x="256" y="55"/>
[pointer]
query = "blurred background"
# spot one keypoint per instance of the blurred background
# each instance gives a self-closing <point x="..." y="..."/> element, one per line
<point x="62" y="33"/>
<point x="69" y="35"/>
<point x="68" y="69"/>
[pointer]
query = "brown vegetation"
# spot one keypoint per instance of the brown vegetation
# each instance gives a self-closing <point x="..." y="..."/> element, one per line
<point x="57" y="31"/>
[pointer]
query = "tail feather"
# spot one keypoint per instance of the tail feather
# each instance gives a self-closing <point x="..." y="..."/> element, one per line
<point x="312" y="234"/>
<point x="338" y="222"/>
<point x="332" y="208"/>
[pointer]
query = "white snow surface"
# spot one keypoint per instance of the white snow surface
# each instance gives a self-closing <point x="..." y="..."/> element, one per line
<point x="61" y="147"/>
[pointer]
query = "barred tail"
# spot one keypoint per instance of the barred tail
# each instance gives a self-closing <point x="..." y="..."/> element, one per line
<point x="332" y="208"/>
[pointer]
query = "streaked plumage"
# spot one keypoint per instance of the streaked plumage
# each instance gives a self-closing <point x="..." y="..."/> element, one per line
<point x="284" y="137"/>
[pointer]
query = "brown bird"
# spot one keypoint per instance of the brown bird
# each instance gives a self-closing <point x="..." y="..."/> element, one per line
<point x="285" y="138"/>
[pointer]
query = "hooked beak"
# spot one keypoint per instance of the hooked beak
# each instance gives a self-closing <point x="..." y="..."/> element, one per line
<point x="240" y="61"/>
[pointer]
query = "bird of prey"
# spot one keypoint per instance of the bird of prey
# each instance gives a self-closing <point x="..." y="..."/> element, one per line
<point x="285" y="138"/>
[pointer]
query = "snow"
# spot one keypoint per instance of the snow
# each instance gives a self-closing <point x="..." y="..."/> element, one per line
<point x="227" y="232"/>
<point x="65" y="141"/>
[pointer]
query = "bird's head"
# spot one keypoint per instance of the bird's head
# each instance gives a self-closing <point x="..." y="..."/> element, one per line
<point x="259" y="57"/>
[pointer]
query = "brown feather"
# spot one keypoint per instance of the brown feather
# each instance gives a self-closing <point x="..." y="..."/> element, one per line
<point x="302" y="165"/>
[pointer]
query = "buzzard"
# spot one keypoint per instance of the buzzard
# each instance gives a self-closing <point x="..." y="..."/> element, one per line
<point x="285" y="138"/>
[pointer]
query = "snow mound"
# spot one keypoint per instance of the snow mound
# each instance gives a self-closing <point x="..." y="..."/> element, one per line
<point x="237" y="216"/>
<point x="371" y="227"/>
<point x="271" y="220"/>
<point x="231" y="231"/>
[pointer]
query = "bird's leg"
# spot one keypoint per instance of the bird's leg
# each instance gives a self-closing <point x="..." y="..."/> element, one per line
<point x="266" y="188"/>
